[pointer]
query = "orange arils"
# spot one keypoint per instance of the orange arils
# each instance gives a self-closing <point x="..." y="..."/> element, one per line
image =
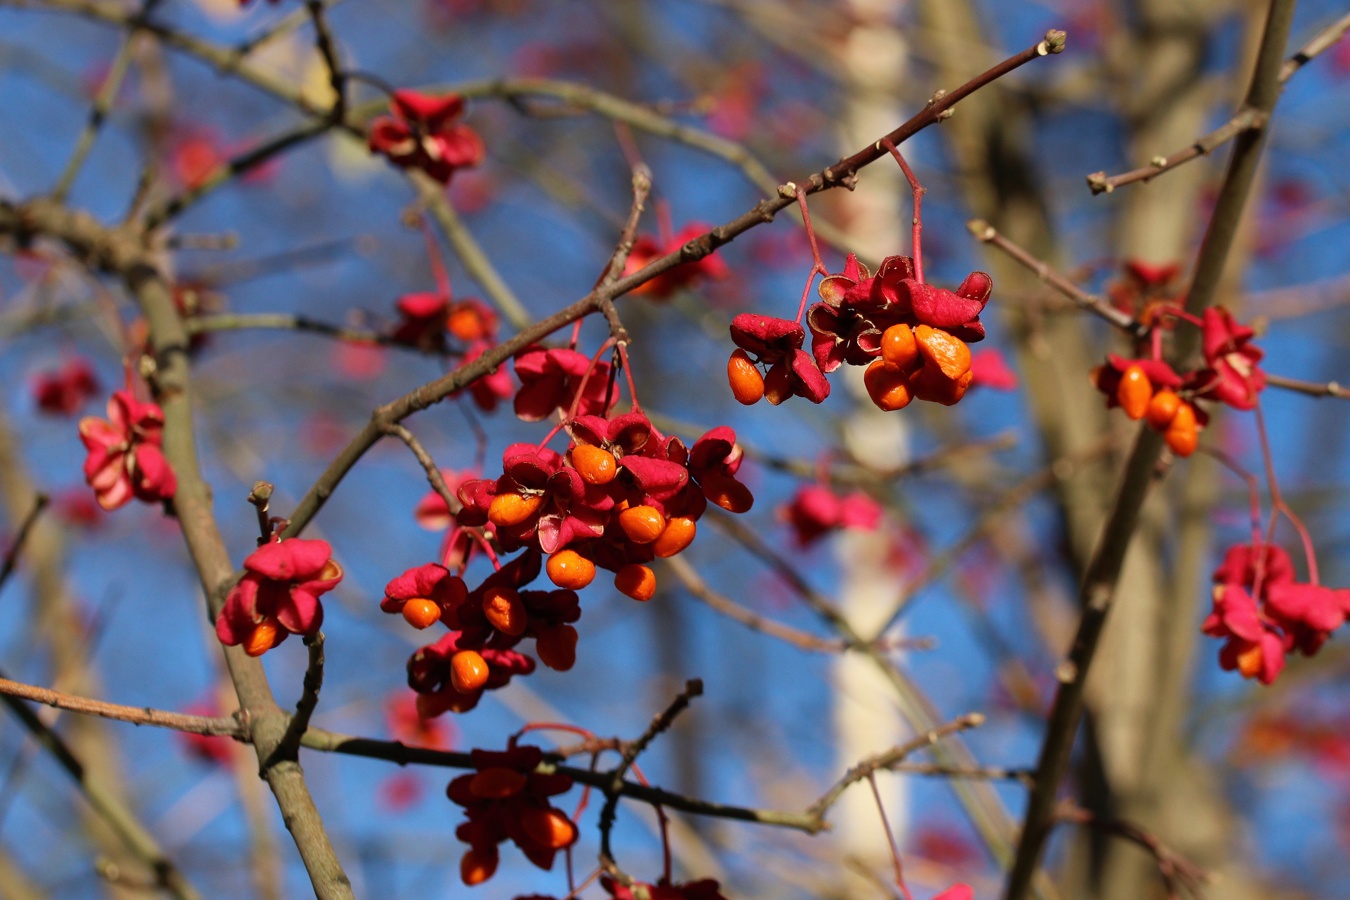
<point x="887" y="385"/>
<point x="510" y="508"/>
<point x="747" y="385"/>
<point x="778" y="384"/>
<point x="1134" y="392"/>
<point x="944" y="350"/>
<point x="548" y="827"/>
<point x="497" y="783"/>
<point x="466" y="323"/>
<point x="476" y="868"/>
<point x="1249" y="661"/>
<point x="504" y="610"/>
<point x="569" y="569"/>
<point x="419" y="612"/>
<point x="637" y="581"/>
<point x="930" y="384"/>
<point x="899" y="347"/>
<point x="728" y="493"/>
<point x="1162" y="409"/>
<point x="263" y="638"/>
<point x="1183" y="434"/>
<point x="557" y="647"/>
<point x="468" y="671"/>
<point x="642" y="524"/>
<point x="595" y="465"/>
<point x="679" y="533"/>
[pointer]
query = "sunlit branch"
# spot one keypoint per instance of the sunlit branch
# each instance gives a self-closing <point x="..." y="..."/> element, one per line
<point x="1093" y="303"/>
<point x="892" y="757"/>
<point x="1246" y="119"/>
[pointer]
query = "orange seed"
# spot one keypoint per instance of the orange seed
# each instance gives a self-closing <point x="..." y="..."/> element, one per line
<point x="419" y="612"/>
<point x="899" y="346"/>
<point x="944" y="350"/>
<point x="642" y="524"/>
<point x="497" y="783"/>
<point x="548" y="827"/>
<point x="1162" y="409"/>
<point x="1183" y="434"/>
<point x="679" y="533"/>
<point x="747" y="385"/>
<point x="263" y="638"/>
<point x="504" y="610"/>
<point x="595" y="465"/>
<point x="637" y="581"/>
<point x="511" y="508"/>
<point x="887" y="385"/>
<point x="569" y="569"/>
<point x="1134" y="392"/>
<point x="468" y="671"/>
<point x="476" y="868"/>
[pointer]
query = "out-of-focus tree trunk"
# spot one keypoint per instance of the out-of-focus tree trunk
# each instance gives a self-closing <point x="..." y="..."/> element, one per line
<point x="1134" y="766"/>
<point x="874" y="61"/>
<point x="58" y="625"/>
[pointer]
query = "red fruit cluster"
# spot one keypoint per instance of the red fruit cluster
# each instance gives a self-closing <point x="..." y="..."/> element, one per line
<point x="1150" y="388"/>
<point x="815" y="511"/>
<point x="623" y="495"/>
<point x="63" y="390"/>
<point x="507" y="799"/>
<point x="703" y="889"/>
<point x="486" y="625"/>
<point x="912" y="336"/>
<point x="559" y="378"/>
<point x="422" y="134"/>
<point x="647" y="248"/>
<point x="1264" y="614"/>
<point x="124" y="458"/>
<point x="278" y="595"/>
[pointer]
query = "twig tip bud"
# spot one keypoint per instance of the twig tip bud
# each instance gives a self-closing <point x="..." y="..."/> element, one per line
<point x="1054" y="42"/>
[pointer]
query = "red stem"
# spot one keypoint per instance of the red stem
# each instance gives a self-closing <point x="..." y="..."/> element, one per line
<point x="890" y="837"/>
<point x="628" y="376"/>
<point x="918" y="190"/>
<point x="817" y="265"/>
<point x="437" y="267"/>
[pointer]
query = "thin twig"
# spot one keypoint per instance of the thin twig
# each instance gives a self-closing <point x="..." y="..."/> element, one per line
<point x="890" y="758"/>
<point x="1245" y="119"/>
<point x="434" y="477"/>
<point x="16" y="546"/>
<point x="1093" y="303"/>
<point x="1174" y="870"/>
<point x="1312" y="388"/>
<point x="104" y="802"/>
<point x="288" y="747"/>
<point x="694" y="584"/>
<point x="1017" y="496"/>
<point x="98" y="112"/>
<point x="327" y="47"/>
<point x="659" y="724"/>
<point x="216" y="726"/>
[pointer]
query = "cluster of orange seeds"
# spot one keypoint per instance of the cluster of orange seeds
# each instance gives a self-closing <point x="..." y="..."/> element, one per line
<point x="919" y="362"/>
<point x="1150" y="390"/>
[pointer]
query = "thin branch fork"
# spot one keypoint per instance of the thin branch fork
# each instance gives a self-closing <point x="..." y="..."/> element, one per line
<point x="1248" y="118"/>
<point x="324" y="741"/>
<point x="891" y="758"/>
<point x="1174" y="870"/>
